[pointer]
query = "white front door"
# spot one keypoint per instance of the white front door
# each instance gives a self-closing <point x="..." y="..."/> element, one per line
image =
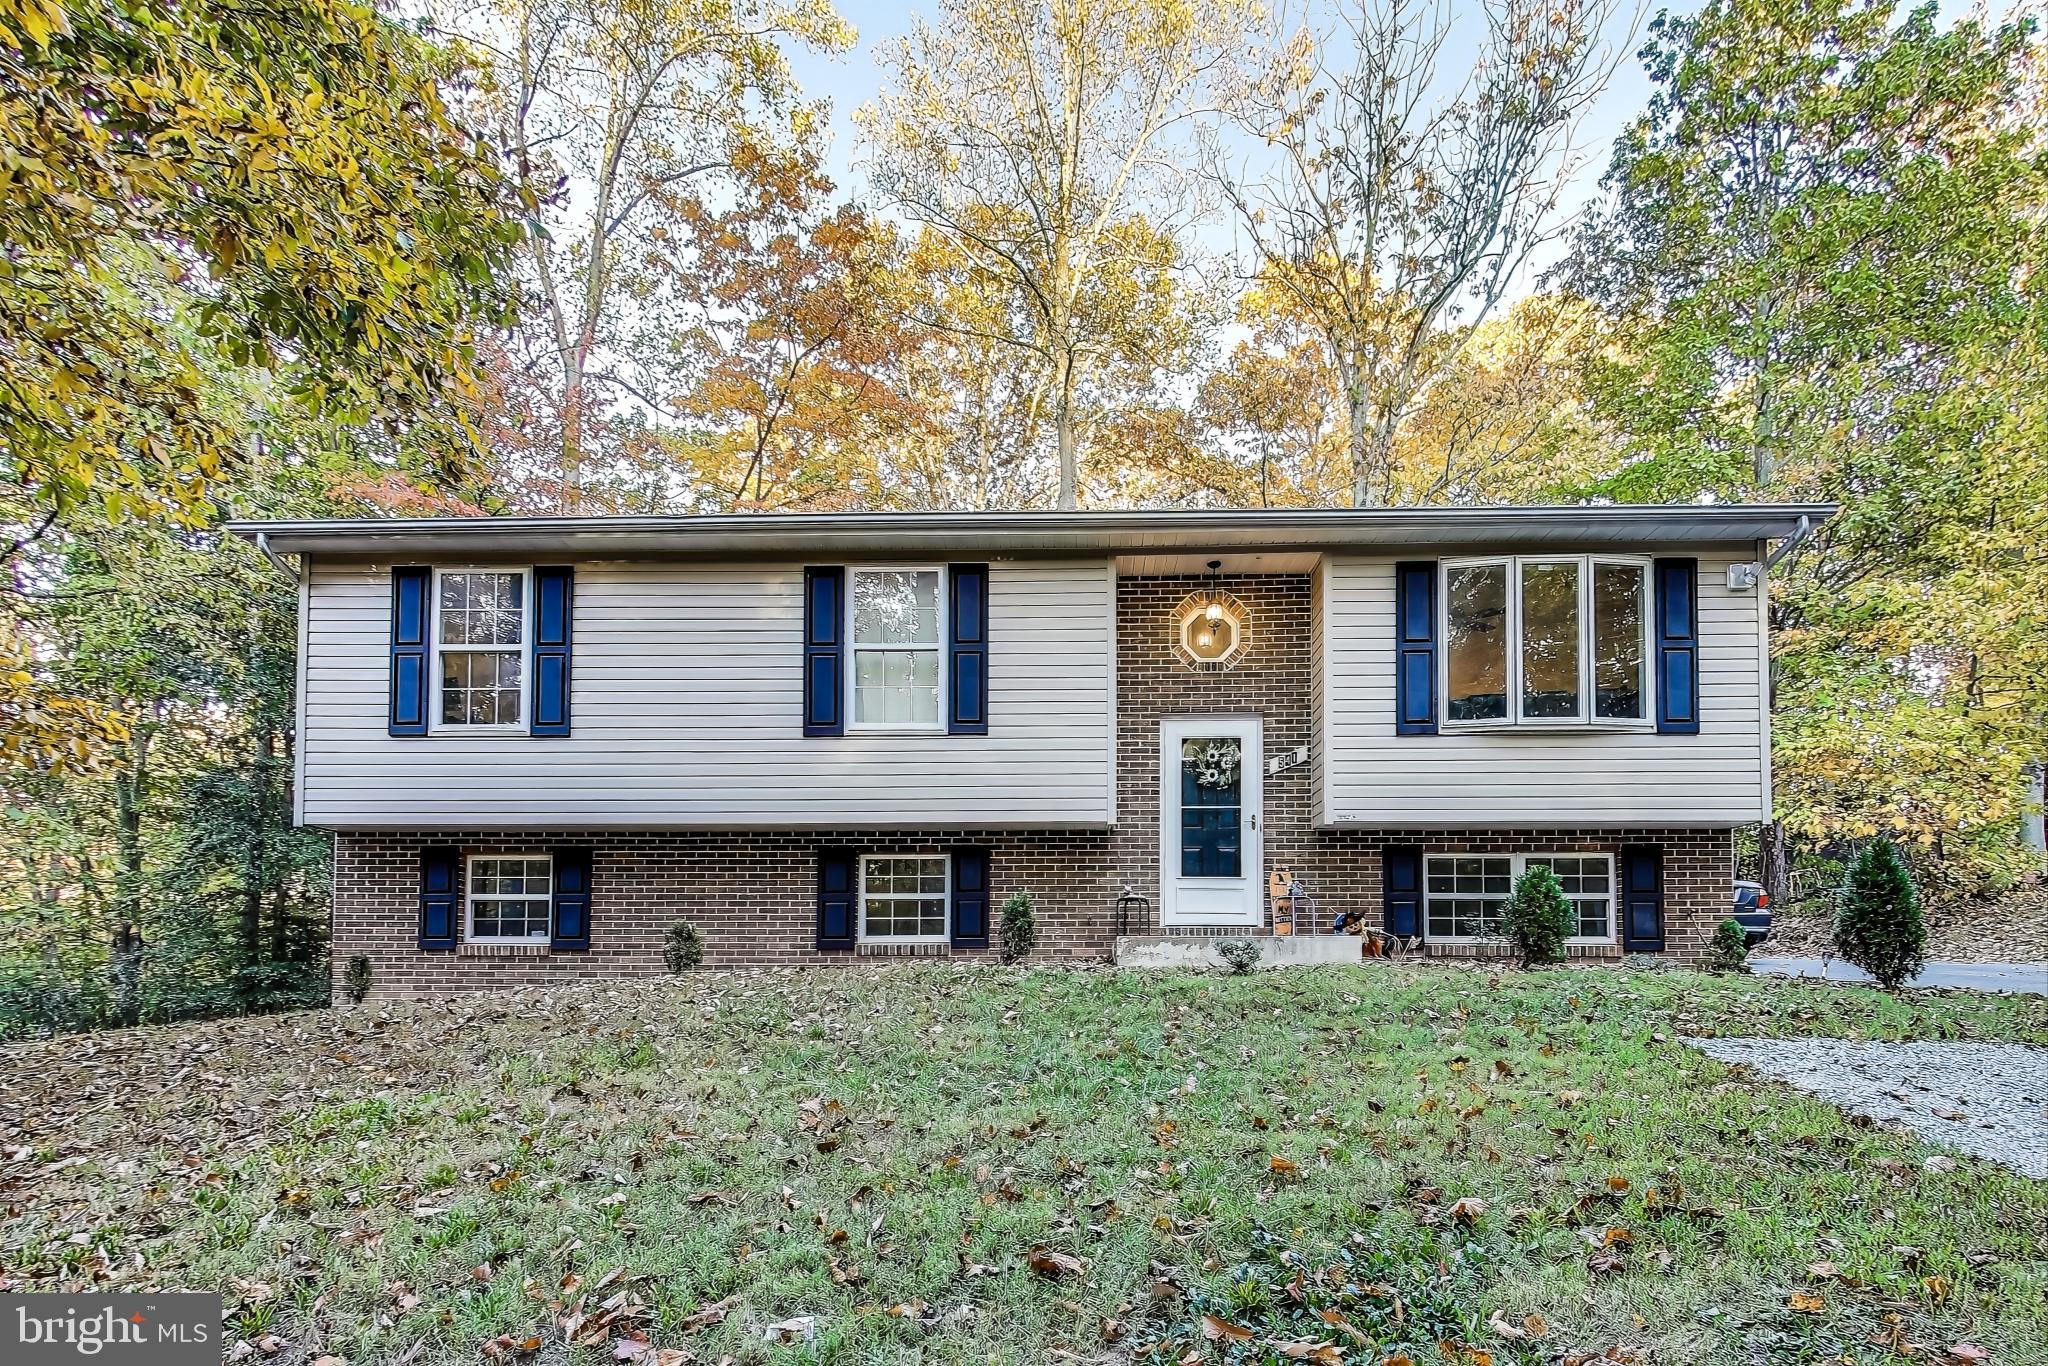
<point x="1209" y="820"/>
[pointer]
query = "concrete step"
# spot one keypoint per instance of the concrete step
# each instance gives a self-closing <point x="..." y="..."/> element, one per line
<point x="1198" y="951"/>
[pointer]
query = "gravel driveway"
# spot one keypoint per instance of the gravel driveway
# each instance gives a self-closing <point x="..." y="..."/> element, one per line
<point x="1990" y="1099"/>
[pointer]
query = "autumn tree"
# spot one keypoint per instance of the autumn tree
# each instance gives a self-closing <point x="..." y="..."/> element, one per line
<point x="1039" y="139"/>
<point x="1507" y="419"/>
<point x="793" y="361"/>
<point x="1269" y="410"/>
<point x="1396" y="217"/>
<point x="619" y="115"/>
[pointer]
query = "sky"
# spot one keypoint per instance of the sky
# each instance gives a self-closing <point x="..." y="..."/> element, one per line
<point x="854" y="78"/>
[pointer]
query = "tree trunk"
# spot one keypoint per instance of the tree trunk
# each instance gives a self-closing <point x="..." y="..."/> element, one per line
<point x="1776" y="860"/>
<point x="1357" y="428"/>
<point x="131" y="787"/>
<point x="1064" y="421"/>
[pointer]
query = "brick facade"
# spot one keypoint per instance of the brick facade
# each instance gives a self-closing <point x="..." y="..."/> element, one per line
<point x="752" y="895"/>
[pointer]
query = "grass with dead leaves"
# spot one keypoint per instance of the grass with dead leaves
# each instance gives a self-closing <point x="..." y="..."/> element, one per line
<point x="970" y="1163"/>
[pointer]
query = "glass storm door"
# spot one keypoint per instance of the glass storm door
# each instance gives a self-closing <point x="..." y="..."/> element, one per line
<point x="1209" y="820"/>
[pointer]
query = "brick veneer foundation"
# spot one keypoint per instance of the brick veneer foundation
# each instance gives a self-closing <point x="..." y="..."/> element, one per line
<point x="752" y="895"/>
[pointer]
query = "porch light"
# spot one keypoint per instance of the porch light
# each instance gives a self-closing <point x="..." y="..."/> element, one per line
<point x="1211" y="628"/>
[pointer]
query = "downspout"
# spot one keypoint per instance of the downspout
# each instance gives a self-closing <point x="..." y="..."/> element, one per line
<point x="1785" y="547"/>
<point x="277" y="561"/>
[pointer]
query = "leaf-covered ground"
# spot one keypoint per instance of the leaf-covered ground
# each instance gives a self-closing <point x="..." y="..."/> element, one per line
<point x="972" y="1164"/>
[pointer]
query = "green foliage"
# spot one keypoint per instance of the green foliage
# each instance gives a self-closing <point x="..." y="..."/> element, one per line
<point x="1877" y="917"/>
<point x="1822" y="272"/>
<point x="1728" y="951"/>
<point x="1019" y="927"/>
<point x="211" y="185"/>
<point x="683" y="948"/>
<point x="1240" y="955"/>
<point x="1537" y="917"/>
<point x="38" y="1000"/>
<point x="355" y="978"/>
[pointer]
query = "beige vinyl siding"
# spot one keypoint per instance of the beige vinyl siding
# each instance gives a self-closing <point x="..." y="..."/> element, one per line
<point x="686" y="704"/>
<point x="1585" y="777"/>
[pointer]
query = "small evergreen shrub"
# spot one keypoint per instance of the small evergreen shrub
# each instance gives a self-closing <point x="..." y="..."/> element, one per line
<point x="1537" y="918"/>
<point x="684" y="947"/>
<point x="1728" y="951"/>
<point x="1019" y="927"/>
<point x="355" y="978"/>
<point x="1877" y="917"/>
<point x="1240" y="955"/>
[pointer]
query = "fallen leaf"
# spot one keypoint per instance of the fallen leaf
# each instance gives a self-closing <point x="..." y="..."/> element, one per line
<point x="1805" y="1302"/>
<point x="1223" y="1330"/>
<point x="709" y="1315"/>
<point x="1054" y="1264"/>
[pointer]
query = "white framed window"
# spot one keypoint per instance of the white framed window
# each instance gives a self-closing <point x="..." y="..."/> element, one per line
<point x="1546" y="640"/>
<point x="1463" y="893"/>
<point x="508" y="898"/>
<point x="482" y="618"/>
<point x="904" y="899"/>
<point x="898" y="617"/>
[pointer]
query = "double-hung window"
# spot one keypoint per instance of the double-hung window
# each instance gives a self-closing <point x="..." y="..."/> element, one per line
<point x="480" y="640"/>
<point x="510" y="898"/>
<point x="903" y="900"/>
<point x="1463" y="893"/>
<point x="897" y="635"/>
<point x="1545" y="640"/>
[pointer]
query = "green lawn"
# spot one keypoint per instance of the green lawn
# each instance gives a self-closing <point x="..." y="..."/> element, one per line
<point x="973" y="1164"/>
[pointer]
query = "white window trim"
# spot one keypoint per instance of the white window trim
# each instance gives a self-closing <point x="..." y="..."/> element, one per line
<point x="1518" y="864"/>
<point x="469" y="936"/>
<point x="945" y="897"/>
<point x="435" y="725"/>
<point x="853" y="648"/>
<point x="1585" y="720"/>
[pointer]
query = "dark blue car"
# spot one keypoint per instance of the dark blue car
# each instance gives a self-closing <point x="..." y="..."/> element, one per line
<point x="1753" y="912"/>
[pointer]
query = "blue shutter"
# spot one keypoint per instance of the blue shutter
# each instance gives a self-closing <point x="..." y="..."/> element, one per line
<point x="824" y="651"/>
<point x="1415" y="647"/>
<point x="1401" y="890"/>
<point x="572" y="900"/>
<point x="554" y="595"/>
<point x="440" y="897"/>
<point x="967" y="657"/>
<point x="970" y="898"/>
<point x="1678" y="647"/>
<point x="838" y="901"/>
<point x="1642" y="899"/>
<point x="409" y="618"/>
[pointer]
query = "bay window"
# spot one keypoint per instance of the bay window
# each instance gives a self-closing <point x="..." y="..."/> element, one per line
<point x="1546" y="640"/>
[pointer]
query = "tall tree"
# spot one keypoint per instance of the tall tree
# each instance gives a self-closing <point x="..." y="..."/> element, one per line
<point x="1825" y="256"/>
<point x="1037" y="136"/>
<point x="1397" y="218"/>
<point x="617" y="115"/>
<point x="794" y="359"/>
<point x="209" y="187"/>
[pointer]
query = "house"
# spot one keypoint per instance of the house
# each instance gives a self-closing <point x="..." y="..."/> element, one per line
<point x="541" y="741"/>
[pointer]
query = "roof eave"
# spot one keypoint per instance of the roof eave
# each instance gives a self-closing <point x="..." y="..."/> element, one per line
<point x="1039" y="533"/>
